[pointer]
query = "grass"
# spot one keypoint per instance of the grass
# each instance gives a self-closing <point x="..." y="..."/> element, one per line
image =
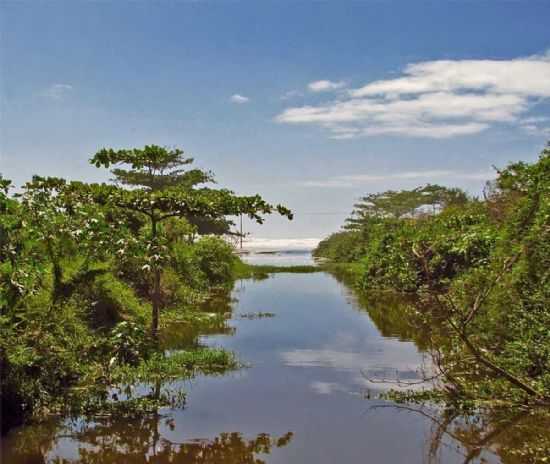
<point x="176" y="365"/>
<point x="244" y="270"/>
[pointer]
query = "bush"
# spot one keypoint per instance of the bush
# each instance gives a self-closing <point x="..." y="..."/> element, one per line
<point x="44" y="351"/>
<point x="215" y="259"/>
<point x="208" y="262"/>
<point x="341" y="247"/>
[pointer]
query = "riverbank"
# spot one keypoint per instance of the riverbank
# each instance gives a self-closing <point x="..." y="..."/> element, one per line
<point x="126" y="356"/>
<point x="61" y="354"/>
<point x="315" y="368"/>
<point x="303" y="366"/>
<point x="475" y="275"/>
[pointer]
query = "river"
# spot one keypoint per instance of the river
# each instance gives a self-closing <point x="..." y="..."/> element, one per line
<point x="306" y="396"/>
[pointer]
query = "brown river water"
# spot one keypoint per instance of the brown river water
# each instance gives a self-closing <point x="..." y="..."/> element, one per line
<point x="306" y="394"/>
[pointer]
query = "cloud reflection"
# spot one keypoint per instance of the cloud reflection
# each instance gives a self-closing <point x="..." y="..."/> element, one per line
<point x="382" y="367"/>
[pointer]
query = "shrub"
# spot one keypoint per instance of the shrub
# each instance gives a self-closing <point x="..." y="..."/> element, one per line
<point x="214" y="258"/>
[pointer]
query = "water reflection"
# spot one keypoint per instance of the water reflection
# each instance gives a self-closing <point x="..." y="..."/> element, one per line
<point x="400" y="370"/>
<point x="491" y="435"/>
<point x="310" y="370"/>
<point x="138" y="441"/>
<point x="215" y="315"/>
<point x="388" y="310"/>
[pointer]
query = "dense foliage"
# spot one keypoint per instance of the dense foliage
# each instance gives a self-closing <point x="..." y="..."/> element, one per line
<point x="85" y="269"/>
<point x="480" y="271"/>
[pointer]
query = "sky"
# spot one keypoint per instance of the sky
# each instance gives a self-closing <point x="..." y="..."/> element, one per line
<point x="310" y="104"/>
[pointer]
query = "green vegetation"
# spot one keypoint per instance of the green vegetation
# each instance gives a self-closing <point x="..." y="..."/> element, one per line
<point x="86" y="268"/>
<point x="478" y="272"/>
<point x="244" y="270"/>
<point x="180" y="364"/>
<point x="165" y="191"/>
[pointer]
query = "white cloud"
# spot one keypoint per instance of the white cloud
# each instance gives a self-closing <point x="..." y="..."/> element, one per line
<point x="437" y="99"/>
<point x="239" y="99"/>
<point x="430" y="175"/>
<point x="523" y="76"/>
<point x="539" y="125"/>
<point x="325" y="86"/>
<point x="327" y="388"/>
<point x="57" y="91"/>
<point x="536" y="120"/>
<point x="291" y="94"/>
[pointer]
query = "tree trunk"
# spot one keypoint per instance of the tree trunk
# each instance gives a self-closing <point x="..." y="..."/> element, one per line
<point x="156" y="287"/>
<point x="156" y="304"/>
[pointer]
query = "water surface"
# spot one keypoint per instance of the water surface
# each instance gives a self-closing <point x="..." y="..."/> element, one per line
<point x="306" y="397"/>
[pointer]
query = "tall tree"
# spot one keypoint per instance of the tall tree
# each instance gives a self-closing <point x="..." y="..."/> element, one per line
<point x="158" y="168"/>
<point x="165" y="191"/>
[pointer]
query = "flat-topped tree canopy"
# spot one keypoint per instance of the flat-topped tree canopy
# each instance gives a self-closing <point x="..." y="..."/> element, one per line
<point x="163" y="188"/>
<point x="160" y="205"/>
<point x="397" y="204"/>
<point x="152" y="167"/>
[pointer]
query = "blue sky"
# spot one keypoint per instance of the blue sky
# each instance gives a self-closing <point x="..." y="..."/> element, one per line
<point x="311" y="104"/>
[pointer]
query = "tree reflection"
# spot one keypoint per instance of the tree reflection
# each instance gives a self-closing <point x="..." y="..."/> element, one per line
<point x="211" y="317"/>
<point x="229" y="448"/>
<point x="141" y="441"/>
<point x="514" y="437"/>
<point x="137" y="441"/>
<point x="132" y="437"/>
<point x="390" y="311"/>
<point x="29" y="444"/>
